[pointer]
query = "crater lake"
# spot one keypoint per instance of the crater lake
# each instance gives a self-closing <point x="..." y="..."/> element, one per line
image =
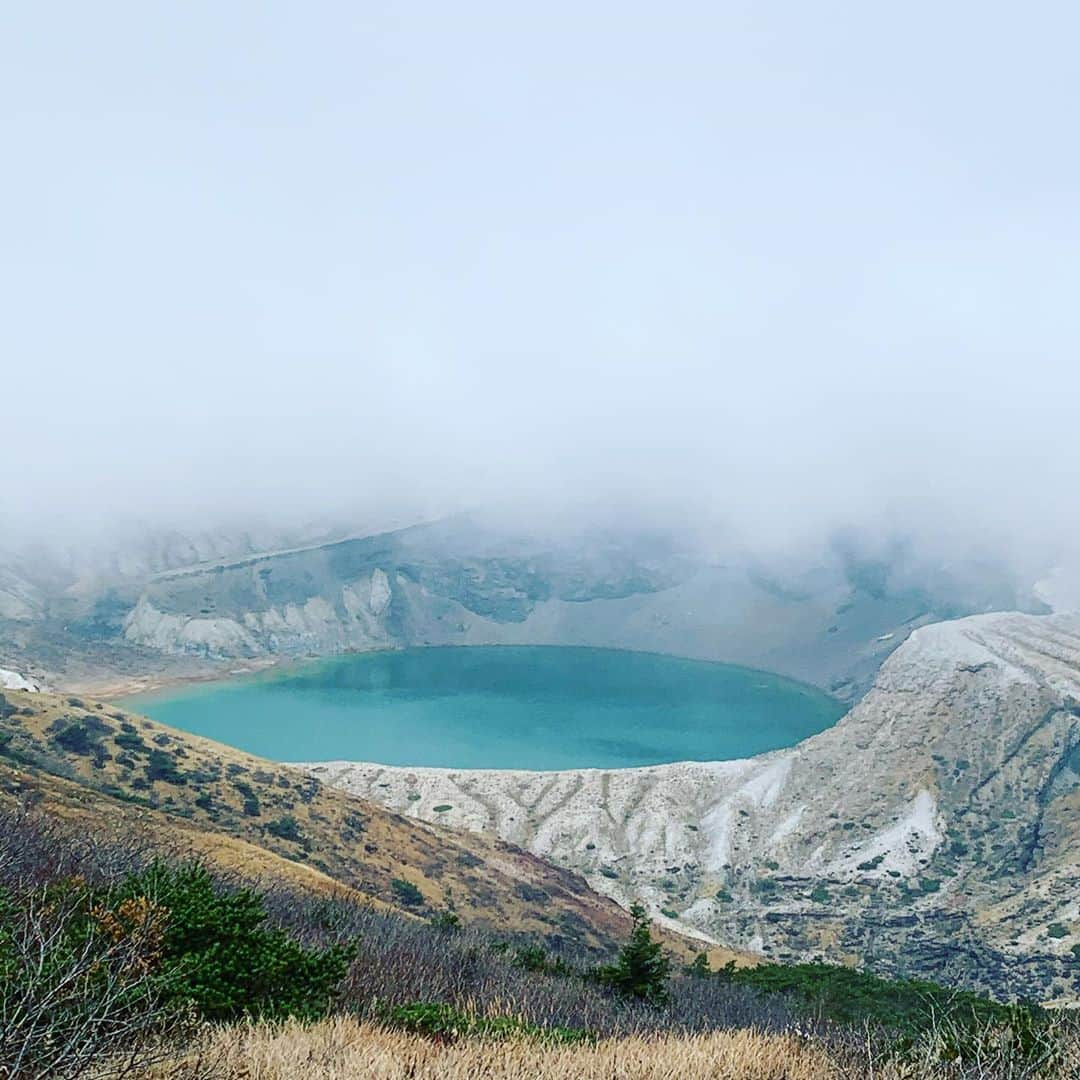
<point x="500" y="707"/>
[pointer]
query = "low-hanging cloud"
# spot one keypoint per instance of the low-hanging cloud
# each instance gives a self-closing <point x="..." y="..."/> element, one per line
<point x="770" y="272"/>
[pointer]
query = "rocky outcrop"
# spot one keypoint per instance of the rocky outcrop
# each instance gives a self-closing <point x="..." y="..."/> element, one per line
<point x="934" y="830"/>
<point x="182" y="604"/>
<point x="12" y="680"/>
<point x="424" y="585"/>
<point x="830" y="624"/>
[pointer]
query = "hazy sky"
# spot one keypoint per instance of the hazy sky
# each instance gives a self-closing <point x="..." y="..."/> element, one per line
<point x="789" y="263"/>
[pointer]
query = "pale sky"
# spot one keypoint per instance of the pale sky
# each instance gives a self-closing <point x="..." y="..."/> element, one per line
<point x="787" y="263"/>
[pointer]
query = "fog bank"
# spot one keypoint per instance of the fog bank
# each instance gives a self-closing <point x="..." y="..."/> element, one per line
<point x="755" y="274"/>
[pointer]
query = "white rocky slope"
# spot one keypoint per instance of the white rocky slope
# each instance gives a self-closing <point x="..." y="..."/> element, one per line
<point x="934" y="829"/>
<point x="12" y="680"/>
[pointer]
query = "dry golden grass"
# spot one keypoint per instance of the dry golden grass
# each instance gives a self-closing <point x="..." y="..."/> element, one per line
<point x="344" y="1049"/>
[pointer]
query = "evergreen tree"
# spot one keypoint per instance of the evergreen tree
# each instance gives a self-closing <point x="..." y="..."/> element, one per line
<point x="642" y="969"/>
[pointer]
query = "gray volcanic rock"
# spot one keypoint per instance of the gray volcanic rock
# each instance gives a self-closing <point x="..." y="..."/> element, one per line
<point x="430" y="584"/>
<point x="830" y="623"/>
<point x="934" y="830"/>
<point x="175" y="605"/>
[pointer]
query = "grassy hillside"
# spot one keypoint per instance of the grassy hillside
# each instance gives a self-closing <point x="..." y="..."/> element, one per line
<point x="105" y="949"/>
<point x="112" y="965"/>
<point x="320" y="936"/>
<point x="94" y="763"/>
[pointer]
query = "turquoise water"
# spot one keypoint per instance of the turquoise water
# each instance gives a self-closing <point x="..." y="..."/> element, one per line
<point x="505" y="707"/>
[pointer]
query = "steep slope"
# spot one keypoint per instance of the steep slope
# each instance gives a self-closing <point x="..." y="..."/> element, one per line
<point x="934" y="830"/>
<point x="425" y="582"/>
<point x="115" y="771"/>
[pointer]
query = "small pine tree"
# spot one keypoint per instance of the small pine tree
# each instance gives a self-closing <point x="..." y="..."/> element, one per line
<point x="642" y="968"/>
<point x="406" y="893"/>
<point x="700" y="967"/>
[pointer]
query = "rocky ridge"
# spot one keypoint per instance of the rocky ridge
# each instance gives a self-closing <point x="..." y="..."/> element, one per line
<point x="935" y="830"/>
<point x="191" y="606"/>
<point x="457" y="583"/>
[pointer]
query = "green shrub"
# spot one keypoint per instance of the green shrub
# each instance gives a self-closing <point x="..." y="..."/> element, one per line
<point x="700" y="967"/>
<point x="405" y="892"/>
<point x="535" y="958"/>
<point x="160" y="766"/>
<point x="218" y="954"/>
<point x="76" y="739"/>
<point x="849" y="996"/>
<point x="447" y="920"/>
<point x="251" y="800"/>
<point x="11" y="752"/>
<point x="131" y="740"/>
<point x="286" y="828"/>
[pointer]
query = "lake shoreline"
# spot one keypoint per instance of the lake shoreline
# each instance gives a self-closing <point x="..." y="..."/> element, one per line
<point x="539" y="708"/>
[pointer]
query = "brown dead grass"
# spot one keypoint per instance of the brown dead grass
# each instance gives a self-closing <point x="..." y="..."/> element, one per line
<point x="344" y="1049"/>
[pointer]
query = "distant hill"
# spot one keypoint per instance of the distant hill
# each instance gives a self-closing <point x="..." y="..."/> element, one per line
<point x="188" y="607"/>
